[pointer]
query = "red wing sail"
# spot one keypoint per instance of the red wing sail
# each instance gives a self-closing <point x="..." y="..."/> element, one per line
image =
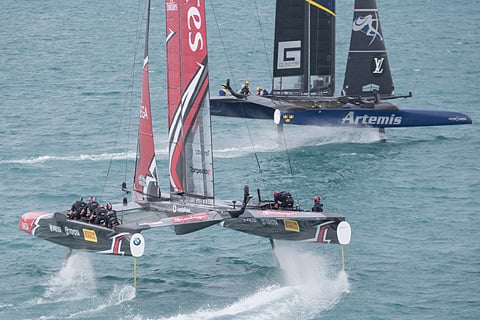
<point x="145" y="181"/>
<point x="190" y="149"/>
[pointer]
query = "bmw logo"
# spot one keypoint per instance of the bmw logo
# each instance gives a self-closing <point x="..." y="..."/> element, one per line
<point x="137" y="241"/>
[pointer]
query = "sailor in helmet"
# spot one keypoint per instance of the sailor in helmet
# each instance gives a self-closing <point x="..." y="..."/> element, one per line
<point x="261" y="92"/>
<point x="245" y="88"/>
<point x="224" y="91"/>
<point x="111" y="220"/>
<point x="317" y="205"/>
<point x="92" y="209"/>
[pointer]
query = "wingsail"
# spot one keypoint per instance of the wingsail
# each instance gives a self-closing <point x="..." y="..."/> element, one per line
<point x="145" y="178"/>
<point x="190" y="148"/>
<point x="304" y="47"/>
<point x="368" y="70"/>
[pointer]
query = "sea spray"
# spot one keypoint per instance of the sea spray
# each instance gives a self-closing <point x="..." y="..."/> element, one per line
<point x="311" y="285"/>
<point x="74" y="281"/>
<point x="317" y="284"/>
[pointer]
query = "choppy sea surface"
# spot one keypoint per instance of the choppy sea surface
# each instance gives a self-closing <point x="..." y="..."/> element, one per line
<point x="69" y="88"/>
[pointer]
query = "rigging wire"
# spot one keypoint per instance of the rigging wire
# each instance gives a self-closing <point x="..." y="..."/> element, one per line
<point x="126" y="103"/>
<point x="267" y="57"/>
<point x="290" y="165"/>
<point x="229" y="64"/>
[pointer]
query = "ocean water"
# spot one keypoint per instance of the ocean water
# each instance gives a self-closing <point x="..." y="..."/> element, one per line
<point x="69" y="87"/>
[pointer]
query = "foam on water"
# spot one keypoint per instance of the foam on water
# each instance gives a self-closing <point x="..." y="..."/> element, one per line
<point x="310" y="287"/>
<point x="269" y="140"/>
<point x="265" y="140"/>
<point x="81" y="157"/>
<point x="74" y="289"/>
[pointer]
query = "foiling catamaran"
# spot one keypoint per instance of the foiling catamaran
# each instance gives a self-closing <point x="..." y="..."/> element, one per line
<point x="191" y="205"/>
<point x="304" y="71"/>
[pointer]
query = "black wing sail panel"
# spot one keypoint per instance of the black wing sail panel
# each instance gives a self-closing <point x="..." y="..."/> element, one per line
<point x="367" y="69"/>
<point x="304" y="47"/>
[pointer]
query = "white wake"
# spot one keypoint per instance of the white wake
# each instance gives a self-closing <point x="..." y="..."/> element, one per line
<point x="311" y="286"/>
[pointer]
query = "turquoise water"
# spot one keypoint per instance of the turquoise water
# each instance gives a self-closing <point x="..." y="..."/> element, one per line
<point x="413" y="203"/>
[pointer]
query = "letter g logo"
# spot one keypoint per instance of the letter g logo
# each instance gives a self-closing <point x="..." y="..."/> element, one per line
<point x="289" y="54"/>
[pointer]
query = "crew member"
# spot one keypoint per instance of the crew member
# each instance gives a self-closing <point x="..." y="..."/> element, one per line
<point x="245" y="88"/>
<point x="276" y="203"/>
<point x="92" y="209"/>
<point x="223" y="91"/>
<point x="317" y="205"/>
<point x="261" y="92"/>
<point x="101" y="217"/>
<point x="112" y="220"/>
<point x="78" y="209"/>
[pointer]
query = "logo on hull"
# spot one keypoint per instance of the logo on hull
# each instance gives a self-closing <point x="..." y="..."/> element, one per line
<point x="291" y="225"/>
<point x="176" y="209"/>
<point x="54" y="228"/>
<point x="73" y="232"/>
<point x="89" y="235"/>
<point x="367" y="120"/>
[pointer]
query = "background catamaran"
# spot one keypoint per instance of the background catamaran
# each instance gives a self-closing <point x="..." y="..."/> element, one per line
<point x="191" y="204"/>
<point x="304" y="71"/>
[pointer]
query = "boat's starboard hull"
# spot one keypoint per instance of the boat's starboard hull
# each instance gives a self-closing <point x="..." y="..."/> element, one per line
<point x="321" y="231"/>
<point x="340" y="115"/>
<point x="374" y="118"/>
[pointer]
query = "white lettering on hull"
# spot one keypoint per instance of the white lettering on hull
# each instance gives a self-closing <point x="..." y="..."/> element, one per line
<point x="367" y="120"/>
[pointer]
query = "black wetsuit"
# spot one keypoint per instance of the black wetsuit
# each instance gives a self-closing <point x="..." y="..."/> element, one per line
<point x="112" y="218"/>
<point x="101" y="217"/>
<point x="92" y="211"/>
<point x="317" y="207"/>
<point x="284" y="199"/>
<point x="77" y="208"/>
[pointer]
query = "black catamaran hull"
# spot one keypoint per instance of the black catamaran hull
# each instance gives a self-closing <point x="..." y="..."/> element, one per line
<point x="55" y="227"/>
<point x="287" y="225"/>
<point x="242" y="108"/>
<point x="287" y="229"/>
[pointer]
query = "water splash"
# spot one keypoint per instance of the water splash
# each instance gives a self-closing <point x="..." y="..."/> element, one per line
<point x="75" y="281"/>
<point x="311" y="287"/>
<point x="81" y="157"/>
<point x="268" y="140"/>
<point x="239" y="144"/>
<point x="118" y="296"/>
